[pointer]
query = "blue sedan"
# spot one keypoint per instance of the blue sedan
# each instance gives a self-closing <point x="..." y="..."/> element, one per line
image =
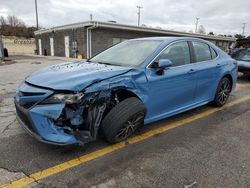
<point x="133" y="83"/>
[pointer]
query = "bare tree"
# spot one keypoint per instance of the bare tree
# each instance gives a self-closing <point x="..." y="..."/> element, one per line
<point x="13" y="26"/>
<point x="2" y="21"/>
<point x="13" y="21"/>
<point x="202" y="29"/>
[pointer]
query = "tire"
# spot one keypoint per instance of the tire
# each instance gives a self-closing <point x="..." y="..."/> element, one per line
<point x="122" y="120"/>
<point x="223" y="91"/>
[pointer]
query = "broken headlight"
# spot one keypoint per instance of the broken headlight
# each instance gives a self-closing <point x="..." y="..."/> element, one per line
<point x="64" y="98"/>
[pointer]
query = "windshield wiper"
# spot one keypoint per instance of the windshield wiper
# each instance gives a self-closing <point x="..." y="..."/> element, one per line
<point x="107" y="63"/>
<point x="104" y="63"/>
<point x="100" y="62"/>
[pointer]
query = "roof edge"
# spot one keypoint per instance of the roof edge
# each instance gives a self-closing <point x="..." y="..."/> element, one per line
<point x="132" y="28"/>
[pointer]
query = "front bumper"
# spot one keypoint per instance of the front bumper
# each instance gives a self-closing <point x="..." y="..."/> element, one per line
<point x="42" y="128"/>
<point x="244" y="67"/>
<point x="38" y="120"/>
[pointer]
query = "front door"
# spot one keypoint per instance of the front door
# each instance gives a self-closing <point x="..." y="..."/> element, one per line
<point x="51" y="46"/>
<point x="66" y="44"/>
<point x="40" y="46"/>
<point x="174" y="89"/>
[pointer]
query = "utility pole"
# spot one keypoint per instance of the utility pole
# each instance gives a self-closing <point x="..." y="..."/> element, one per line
<point x="36" y="15"/>
<point x="139" y="14"/>
<point x="91" y="17"/>
<point x="196" y="24"/>
<point x="243" y="29"/>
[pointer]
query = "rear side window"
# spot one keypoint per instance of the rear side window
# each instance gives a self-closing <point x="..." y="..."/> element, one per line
<point x="202" y="51"/>
<point x="178" y="53"/>
<point x="213" y="53"/>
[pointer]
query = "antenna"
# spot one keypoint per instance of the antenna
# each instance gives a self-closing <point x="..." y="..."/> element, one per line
<point x="243" y="28"/>
<point x="196" y="24"/>
<point x="139" y="14"/>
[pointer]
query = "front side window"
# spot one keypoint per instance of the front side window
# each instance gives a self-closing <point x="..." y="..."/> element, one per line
<point x="202" y="51"/>
<point x="178" y="53"/>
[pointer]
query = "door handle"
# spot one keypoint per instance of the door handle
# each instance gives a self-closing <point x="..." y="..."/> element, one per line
<point x="219" y="65"/>
<point x="191" y="71"/>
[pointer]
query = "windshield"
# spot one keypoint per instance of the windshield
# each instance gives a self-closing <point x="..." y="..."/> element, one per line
<point x="128" y="53"/>
<point x="242" y="55"/>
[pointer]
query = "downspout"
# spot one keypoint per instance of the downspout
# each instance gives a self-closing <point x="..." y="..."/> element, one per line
<point x="89" y="39"/>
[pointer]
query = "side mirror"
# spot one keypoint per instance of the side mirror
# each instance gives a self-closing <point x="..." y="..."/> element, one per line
<point x="164" y="63"/>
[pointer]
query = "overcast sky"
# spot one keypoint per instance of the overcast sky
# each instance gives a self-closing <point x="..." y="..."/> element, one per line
<point x="219" y="16"/>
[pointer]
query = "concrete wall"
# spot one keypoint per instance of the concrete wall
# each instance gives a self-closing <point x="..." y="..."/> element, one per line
<point x="19" y="45"/>
<point x="102" y="38"/>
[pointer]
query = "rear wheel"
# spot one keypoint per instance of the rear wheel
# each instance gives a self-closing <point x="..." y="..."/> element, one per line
<point x="223" y="91"/>
<point x="122" y="121"/>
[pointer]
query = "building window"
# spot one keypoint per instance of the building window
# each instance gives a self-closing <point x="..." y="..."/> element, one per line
<point x="118" y="40"/>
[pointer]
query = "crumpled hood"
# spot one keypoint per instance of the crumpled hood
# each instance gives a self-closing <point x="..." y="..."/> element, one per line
<point x="73" y="76"/>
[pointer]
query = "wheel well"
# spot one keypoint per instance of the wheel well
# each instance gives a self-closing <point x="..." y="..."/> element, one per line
<point x="124" y="94"/>
<point x="121" y="94"/>
<point x="230" y="79"/>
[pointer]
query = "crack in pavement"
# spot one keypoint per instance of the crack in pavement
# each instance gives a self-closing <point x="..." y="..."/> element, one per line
<point x="23" y="173"/>
<point x="7" y="114"/>
<point x="15" y="171"/>
<point x="8" y="126"/>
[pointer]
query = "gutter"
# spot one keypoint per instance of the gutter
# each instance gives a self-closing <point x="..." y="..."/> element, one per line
<point x="89" y="39"/>
<point x="132" y="28"/>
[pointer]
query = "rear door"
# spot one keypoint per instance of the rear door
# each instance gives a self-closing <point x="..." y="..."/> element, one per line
<point x="208" y="71"/>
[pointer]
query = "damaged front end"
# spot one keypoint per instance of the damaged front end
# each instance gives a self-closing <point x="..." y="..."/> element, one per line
<point x="61" y="118"/>
<point x="82" y="119"/>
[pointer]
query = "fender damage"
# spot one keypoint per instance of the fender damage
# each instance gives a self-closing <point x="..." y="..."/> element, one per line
<point x="65" y="124"/>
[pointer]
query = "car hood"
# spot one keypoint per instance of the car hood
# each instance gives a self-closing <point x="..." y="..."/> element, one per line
<point x="74" y="76"/>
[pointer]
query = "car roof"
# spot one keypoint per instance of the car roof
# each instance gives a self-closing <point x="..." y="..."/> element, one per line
<point x="169" y="39"/>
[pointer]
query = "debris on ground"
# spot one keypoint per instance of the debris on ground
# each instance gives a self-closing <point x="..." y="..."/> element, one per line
<point x="190" y="185"/>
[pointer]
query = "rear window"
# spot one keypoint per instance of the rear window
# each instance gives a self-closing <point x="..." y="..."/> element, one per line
<point x="242" y="55"/>
<point x="202" y="51"/>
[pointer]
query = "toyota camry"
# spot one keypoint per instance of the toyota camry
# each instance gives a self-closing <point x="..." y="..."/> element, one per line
<point x="133" y="83"/>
